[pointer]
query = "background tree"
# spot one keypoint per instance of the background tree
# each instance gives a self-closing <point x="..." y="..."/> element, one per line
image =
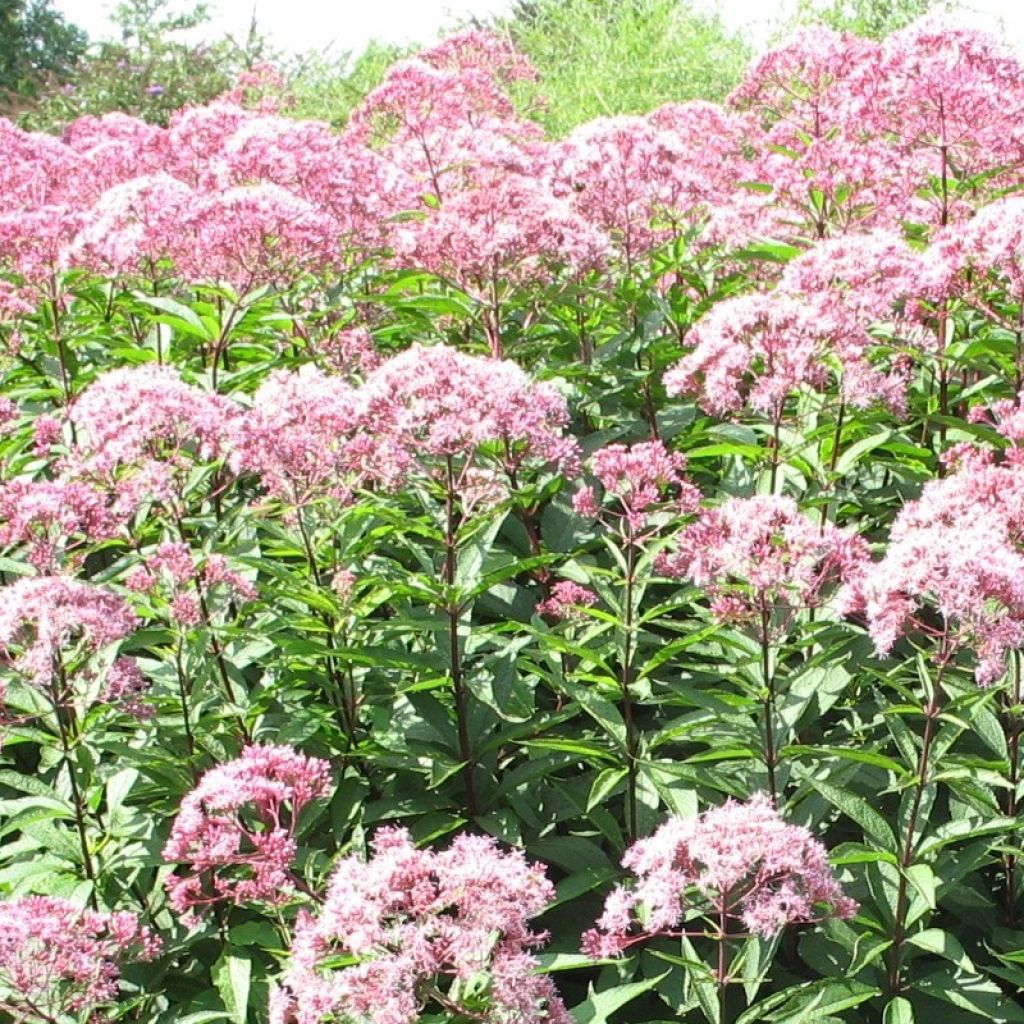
<point x="160" y="64"/>
<point x="873" y="19"/>
<point x="36" y="43"/>
<point x="604" y="57"/>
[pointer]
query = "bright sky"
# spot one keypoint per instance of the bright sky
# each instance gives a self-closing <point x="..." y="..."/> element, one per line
<point x="297" y="25"/>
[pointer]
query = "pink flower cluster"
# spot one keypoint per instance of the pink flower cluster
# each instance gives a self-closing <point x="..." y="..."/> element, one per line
<point x="44" y="618"/>
<point x="762" y="557"/>
<point x="409" y="922"/>
<point x="172" y="570"/>
<point x="296" y="436"/>
<point x="236" y="831"/>
<point x="58" y="959"/>
<point x="638" y="479"/>
<point x="425" y="405"/>
<point x="567" y="601"/>
<point x="739" y="863"/>
<point x="812" y="328"/>
<point x="46" y="516"/>
<point x="139" y="430"/>
<point x="957" y="551"/>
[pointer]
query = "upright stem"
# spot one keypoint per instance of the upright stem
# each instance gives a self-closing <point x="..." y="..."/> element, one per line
<point x="833" y="458"/>
<point x="1013" y="725"/>
<point x="722" y="974"/>
<point x="586" y="352"/>
<point x="776" y="425"/>
<point x="632" y="738"/>
<point x="771" y="757"/>
<point x="931" y="713"/>
<point x="494" y="332"/>
<point x="58" y="340"/>
<point x="220" y="346"/>
<point x="218" y="651"/>
<point x="58" y="697"/>
<point x="183" y="693"/>
<point x="455" y="655"/>
<point x="344" y="703"/>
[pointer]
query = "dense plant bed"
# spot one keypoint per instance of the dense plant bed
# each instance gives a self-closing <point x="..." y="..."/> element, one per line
<point x="450" y="574"/>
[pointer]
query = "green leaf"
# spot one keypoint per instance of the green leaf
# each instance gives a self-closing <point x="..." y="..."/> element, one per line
<point x="604" y="785"/>
<point x="935" y="940"/>
<point x="808" y="1004"/>
<point x="859" y="810"/>
<point x="232" y="975"/>
<point x="971" y="992"/>
<point x="899" y="1011"/>
<point x="599" y="1006"/>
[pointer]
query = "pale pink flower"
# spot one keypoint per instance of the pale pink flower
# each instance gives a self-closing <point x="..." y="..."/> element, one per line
<point x="46" y="617"/>
<point x="740" y="859"/>
<point x="948" y="99"/>
<point x="756" y="556"/>
<point x="51" y="517"/>
<point x="296" y="437"/>
<point x="567" y="601"/>
<point x="125" y="687"/>
<point x="430" y="403"/>
<point x="418" y="918"/>
<point x="958" y="549"/>
<point x="236" y="831"/>
<point x="59" y="960"/>
<point x="141" y="428"/>
<point x="134" y="226"/>
<point x="638" y="479"/>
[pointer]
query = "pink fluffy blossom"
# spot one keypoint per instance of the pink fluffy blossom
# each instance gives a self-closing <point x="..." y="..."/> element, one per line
<point x="636" y="479"/>
<point x="138" y="427"/>
<point x="172" y="571"/>
<point x="59" y="960"/>
<point x="134" y="226"/>
<point x="567" y="601"/>
<point x="759" y="556"/>
<point x="51" y="517"/>
<point x="297" y="435"/>
<point x="235" y="833"/>
<point x="46" y="617"/>
<point x="740" y="861"/>
<point x="416" y="919"/>
<point x="957" y="551"/>
<point x="430" y="403"/>
<point x="125" y="688"/>
<point x="255" y="235"/>
<point x="505" y="233"/>
<point x="948" y="100"/>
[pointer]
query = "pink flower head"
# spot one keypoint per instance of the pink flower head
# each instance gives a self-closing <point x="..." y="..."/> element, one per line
<point x="236" y="831"/>
<point x="59" y="960"/>
<point x="759" y="349"/>
<point x="137" y="426"/>
<point x="948" y="99"/>
<point x="296" y="436"/>
<point x="479" y="49"/>
<point x="741" y="859"/>
<point x="430" y="403"/>
<point x="755" y="556"/>
<point x="134" y="226"/>
<point x="125" y="688"/>
<point x="638" y="478"/>
<point x="416" y="920"/>
<point x="47" y="516"/>
<point x="567" y="601"/>
<point x="506" y="231"/>
<point x="46" y="617"/>
<point x="958" y="549"/>
<point x="255" y="235"/>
